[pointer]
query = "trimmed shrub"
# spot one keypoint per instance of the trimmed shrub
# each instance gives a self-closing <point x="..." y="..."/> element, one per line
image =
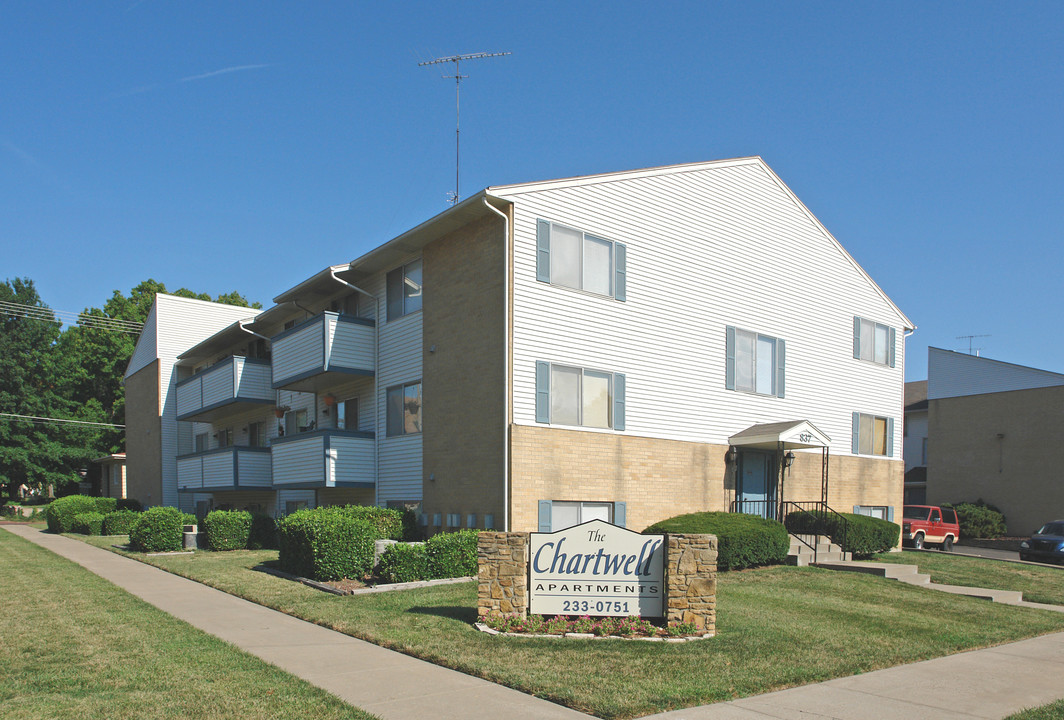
<point x="387" y="523"/>
<point x="452" y="554"/>
<point x="159" y="529"/>
<point x="742" y="540"/>
<point x="858" y="534"/>
<point x="61" y="512"/>
<point x="119" y="522"/>
<point x="90" y="523"/>
<point x="326" y="544"/>
<point x="263" y="534"/>
<point x="105" y="505"/>
<point x="130" y="504"/>
<point x="227" y="529"/>
<point x="404" y="562"/>
<point x="980" y="520"/>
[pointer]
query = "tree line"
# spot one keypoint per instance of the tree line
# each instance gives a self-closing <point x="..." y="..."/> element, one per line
<point x="72" y="373"/>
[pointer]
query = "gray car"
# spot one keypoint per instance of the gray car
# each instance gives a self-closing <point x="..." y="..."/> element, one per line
<point x="1046" y="545"/>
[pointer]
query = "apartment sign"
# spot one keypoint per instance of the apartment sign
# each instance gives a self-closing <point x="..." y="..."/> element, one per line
<point x="596" y="569"/>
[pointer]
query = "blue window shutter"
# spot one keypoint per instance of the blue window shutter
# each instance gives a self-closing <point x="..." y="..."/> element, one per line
<point x="543" y="251"/>
<point x="542" y="391"/>
<point x="856" y="447"/>
<point x="890" y="513"/>
<point x="620" y="281"/>
<point x="890" y="347"/>
<point x="781" y="364"/>
<point x="729" y="352"/>
<point x="890" y="437"/>
<point x="620" y="514"/>
<point x="856" y="509"/>
<point x="544" y="515"/>
<point x="857" y="338"/>
<point x="618" y="401"/>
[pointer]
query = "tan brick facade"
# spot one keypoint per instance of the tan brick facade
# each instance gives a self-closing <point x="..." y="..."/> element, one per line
<point x="144" y="426"/>
<point x="999" y="447"/>
<point x="463" y="373"/>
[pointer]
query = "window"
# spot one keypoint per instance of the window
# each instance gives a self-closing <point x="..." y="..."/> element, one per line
<point x="471" y="520"/>
<point x="346" y="305"/>
<point x="200" y="442"/>
<point x="257" y="349"/>
<point x="345" y="414"/>
<point x="873" y="435"/>
<point x="877" y="511"/>
<point x="225" y="437"/>
<point x="873" y="342"/>
<point x="755" y="363"/>
<point x="578" y="396"/>
<point x="404" y="409"/>
<point x="295" y="421"/>
<point x="557" y="515"/>
<point x="291" y="506"/>
<point x="575" y="259"/>
<point x="404" y="290"/>
<point x="256" y="434"/>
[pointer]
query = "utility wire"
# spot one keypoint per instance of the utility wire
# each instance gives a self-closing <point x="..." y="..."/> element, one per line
<point x="12" y="417"/>
<point x="87" y="320"/>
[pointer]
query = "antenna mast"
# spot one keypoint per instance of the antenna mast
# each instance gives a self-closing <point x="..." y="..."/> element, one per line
<point x="458" y="77"/>
<point x="969" y="338"/>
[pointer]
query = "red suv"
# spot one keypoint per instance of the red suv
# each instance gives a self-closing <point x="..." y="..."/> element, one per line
<point x="930" y="525"/>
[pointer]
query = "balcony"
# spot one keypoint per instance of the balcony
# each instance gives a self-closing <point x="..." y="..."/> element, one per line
<point x="231" y="468"/>
<point x="323" y="459"/>
<point x="234" y="385"/>
<point x="323" y="351"/>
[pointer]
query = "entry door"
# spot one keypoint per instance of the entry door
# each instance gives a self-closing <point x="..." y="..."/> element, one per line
<point x="756" y="491"/>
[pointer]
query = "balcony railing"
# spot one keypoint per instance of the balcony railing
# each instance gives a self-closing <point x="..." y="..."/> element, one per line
<point x="231" y="468"/>
<point x="324" y="459"/>
<point x="323" y="351"/>
<point x="234" y="385"/>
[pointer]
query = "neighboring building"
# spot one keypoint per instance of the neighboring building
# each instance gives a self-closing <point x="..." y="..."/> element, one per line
<point x="915" y="443"/>
<point x="991" y="428"/>
<point x="112" y="475"/>
<point x="627" y="346"/>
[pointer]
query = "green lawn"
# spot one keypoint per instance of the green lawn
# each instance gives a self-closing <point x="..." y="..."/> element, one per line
<point x="1052" y="711"/>
<point x="777" y="627"/>
<point x="1038" y="584"/>
<point x="76" y="646"/>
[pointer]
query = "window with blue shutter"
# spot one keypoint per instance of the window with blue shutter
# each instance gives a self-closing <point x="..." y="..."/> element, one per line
<point x="567" y="395"/>
<point x="618" y="401"/>
<point x="756" y="363"/>
<point x="572" y="258"/>
<point x="872" y="435"/>
<point x="542" y="392"/>
<point x="873" y="342"/>
<point x="620" y="283"/>
<point x="544" y="516"/>
<point x="620" y="514"/>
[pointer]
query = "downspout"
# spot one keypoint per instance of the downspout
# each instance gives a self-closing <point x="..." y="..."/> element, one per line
<point x="505" y="365"/>
<point x="376" y="381"/>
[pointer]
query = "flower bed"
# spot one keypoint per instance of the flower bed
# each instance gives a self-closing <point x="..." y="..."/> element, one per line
<point x="588" y="627"/>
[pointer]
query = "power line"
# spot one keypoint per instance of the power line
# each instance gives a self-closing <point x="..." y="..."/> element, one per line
<point x="87" y="320"/>
<point x="12" y="417"/>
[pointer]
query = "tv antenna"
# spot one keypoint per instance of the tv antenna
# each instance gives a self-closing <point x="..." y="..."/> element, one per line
<point x="458" y="77"/>
<point x="969" y="338"/>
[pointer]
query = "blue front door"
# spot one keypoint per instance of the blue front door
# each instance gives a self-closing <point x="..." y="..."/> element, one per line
<point x="756" y="491"/>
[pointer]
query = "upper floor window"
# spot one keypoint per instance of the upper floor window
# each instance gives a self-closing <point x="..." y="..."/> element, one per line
<point x="346" y="305"/>
<point x="404" y="409"/>
<point x="200" y="442"/>
<point x="404" y="290"/>
<point x="872" y="435"/>
<point x="578" y="396"/>
<point x="345" y="414"/>
<point x="256" y="434"/>
<point x="873" y="341"/>
<point x="225" y="437"/>
<point x="576" y="259"/>
<point x="755" y="363"/>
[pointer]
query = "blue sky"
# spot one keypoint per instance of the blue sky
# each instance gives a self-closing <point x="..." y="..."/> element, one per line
<point x="246" y="145"/>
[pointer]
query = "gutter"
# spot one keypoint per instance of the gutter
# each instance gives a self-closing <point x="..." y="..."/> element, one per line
<point x="505" y="365"/>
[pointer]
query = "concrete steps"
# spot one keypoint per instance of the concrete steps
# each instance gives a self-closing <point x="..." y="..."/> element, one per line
<point x="801" y="554"/>
<point x="908" y="574"/>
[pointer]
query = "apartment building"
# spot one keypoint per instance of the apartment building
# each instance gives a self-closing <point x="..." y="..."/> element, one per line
<point x="626" y="346"/>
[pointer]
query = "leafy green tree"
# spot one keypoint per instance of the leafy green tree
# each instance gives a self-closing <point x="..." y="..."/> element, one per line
<point x="36" y="453"/>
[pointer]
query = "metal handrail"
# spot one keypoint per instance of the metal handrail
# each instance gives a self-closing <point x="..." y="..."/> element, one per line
<point x="816" y="506"/>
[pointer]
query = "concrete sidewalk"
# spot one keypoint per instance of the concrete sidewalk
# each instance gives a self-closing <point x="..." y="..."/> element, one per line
<point x="990" y="683"/>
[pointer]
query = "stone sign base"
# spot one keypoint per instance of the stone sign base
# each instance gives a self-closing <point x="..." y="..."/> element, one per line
<point x="690" y="577"/>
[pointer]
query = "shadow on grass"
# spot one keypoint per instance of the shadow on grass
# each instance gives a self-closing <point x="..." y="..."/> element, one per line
<point x="453" y="612"/>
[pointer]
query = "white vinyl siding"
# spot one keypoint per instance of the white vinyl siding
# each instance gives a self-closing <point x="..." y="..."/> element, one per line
<point x="709" y="248"/>
<point x="299" y="461"/>
<point x="955" y="374"/>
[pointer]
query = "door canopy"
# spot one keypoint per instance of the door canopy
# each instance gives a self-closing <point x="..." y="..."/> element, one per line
<point x="793" y="435"/>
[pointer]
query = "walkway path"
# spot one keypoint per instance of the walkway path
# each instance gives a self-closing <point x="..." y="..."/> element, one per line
<point x="990" y="683"/>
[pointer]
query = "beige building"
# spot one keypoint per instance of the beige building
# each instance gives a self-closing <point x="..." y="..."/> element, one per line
<point x="627" y="346"/>
<point x="991" y="432"/>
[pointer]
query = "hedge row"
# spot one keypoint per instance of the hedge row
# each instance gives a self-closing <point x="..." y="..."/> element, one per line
<point x="61" y="512"/>
<point x="325" y="544"/>
<point x="980" y="520"/>
<point x="160" y="529"/>
<point x="227" y="529"/>
<point x="858" y="534"/>
<point x="742" y="540"/>
<point x="445" y="555"/>
<point x="120" y="522"/>
<point x="90" y="523"/>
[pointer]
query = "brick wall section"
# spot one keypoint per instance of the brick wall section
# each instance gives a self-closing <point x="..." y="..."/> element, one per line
<point x="691" y="580"/>
<point x="144" y="461"/>
<point x="502" y="566"/>
<point x="463" y="379"/>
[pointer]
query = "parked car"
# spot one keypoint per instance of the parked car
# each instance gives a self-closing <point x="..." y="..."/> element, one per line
<point x="1046" y="545"/>
<point x="929" y="525"/>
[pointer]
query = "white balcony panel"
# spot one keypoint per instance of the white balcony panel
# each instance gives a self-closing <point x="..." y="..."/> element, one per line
<point x="299" y="352"/>
<point x="353" y="460"/>
<point x="190" y="473"/>
<point x="229" y="387"/>
<point x="352" y="345"/>
<point x="254" y="380"/>
<point x="324" y="352"/>
<point x="299" y="461"/>
<point x="218" y="470"/>
<point x="218" y="383"/>
<point x="190" y="395"/>
<point x="254" y="469"/>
